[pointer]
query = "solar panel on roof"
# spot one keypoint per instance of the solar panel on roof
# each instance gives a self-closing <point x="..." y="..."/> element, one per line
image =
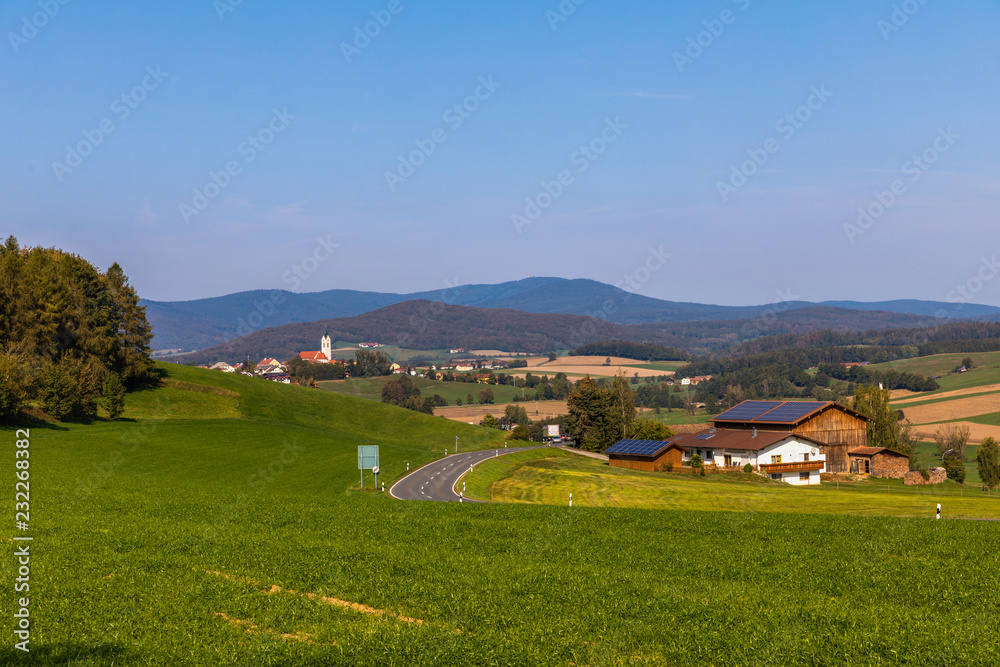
<point x="790" y="411"/>
<point x="704" y="436"/>
<point x="748" y="410"/>
<point x="639" y="447"/>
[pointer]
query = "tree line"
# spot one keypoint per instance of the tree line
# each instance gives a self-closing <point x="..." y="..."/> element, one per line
<point x="70" y="335"/>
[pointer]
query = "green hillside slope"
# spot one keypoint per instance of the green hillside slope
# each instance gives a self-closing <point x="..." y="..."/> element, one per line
<point x="212" y="539"/>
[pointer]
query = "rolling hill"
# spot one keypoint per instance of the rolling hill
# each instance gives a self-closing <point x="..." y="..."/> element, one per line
<point x="193" y="325"/>
<point x="427" y="325"/>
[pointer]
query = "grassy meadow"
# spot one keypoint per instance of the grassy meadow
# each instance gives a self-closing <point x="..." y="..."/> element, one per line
<point x="221" y="524"/>
<point x="548" y="476"/>
<point x="371" y="388"/>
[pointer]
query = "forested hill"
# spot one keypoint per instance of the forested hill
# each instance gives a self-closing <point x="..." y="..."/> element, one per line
<point x="427" y="325"/>
<point x="69" y="334"/>
<point x="197" y="324"/>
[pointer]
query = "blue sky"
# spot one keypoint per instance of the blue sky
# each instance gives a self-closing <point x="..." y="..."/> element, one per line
<point x="664" y="136"/>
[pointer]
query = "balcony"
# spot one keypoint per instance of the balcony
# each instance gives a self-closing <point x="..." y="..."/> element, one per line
<point x="799" y="466"/>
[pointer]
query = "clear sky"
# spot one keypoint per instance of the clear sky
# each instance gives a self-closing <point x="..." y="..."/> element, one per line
<point x="115" y="113"/>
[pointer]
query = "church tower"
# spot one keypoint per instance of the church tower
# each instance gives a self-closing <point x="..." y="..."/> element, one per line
<point x="326" y="345"/>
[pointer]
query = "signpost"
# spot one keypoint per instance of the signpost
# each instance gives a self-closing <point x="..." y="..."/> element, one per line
<point x="368" y="458"/>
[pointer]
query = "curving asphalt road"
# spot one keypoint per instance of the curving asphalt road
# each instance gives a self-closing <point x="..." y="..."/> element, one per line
<point x="436" y="480"/>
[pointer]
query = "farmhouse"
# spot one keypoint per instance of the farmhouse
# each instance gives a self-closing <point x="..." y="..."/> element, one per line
<point x="644" y="454"/>
<point x="783" y="457"/>
<point x="315" y="357"/>
<point x="878" y="462"/>
<point x="836" y="428"/>
<point x="786" y="457"/>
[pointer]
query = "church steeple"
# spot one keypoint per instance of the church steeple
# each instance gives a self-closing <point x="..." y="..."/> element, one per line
<point x="326" y="345"/>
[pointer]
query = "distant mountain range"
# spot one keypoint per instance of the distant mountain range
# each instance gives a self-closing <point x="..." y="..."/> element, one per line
<point x="428" y="325"/>
<point x="194" y="325"/>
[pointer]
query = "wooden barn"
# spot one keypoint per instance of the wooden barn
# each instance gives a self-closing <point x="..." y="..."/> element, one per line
<point x="645" y="454"/>
<point x="840" y="429"/>
<point x="878" y="462"/>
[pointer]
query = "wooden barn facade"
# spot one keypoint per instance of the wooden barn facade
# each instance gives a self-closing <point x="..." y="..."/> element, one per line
<point x="649" y="455"/>
<point x="840" y="429"/>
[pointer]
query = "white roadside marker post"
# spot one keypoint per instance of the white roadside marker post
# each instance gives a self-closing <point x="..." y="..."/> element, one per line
<point x="571" y="500"/>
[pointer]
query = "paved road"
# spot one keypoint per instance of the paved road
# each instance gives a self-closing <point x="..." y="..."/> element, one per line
<point x="436" y="481"/>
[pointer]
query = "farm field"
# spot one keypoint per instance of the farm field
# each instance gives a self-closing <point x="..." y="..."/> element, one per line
<point x="244" y="540"/>
<point x="970" y="399"/>
<point x="594" y="366"/>
<point x="548" y="476"/>
<point x="475" y="413"/>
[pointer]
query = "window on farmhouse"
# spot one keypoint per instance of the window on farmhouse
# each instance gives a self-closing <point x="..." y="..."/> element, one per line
<point x="806" y="456"/>
<point x="776" y="476"/>
<point x="728" y="460"/>
<point x="803" y="477"/>
<point x="776" y="459"/>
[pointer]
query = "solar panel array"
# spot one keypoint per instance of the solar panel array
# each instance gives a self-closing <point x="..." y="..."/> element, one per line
<point x="786" y="412"/>
<point x="748" y="410"/>
<point x="704" y="436"/>
<point x="640" y="447"/>
<point x="791" y="411"/>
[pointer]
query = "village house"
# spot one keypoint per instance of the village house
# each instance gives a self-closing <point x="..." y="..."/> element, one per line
<point x="223" y="366"/>
<point x="836" y="428"/>
<point x="314" y="357"/>
<point x="267" y="365"/>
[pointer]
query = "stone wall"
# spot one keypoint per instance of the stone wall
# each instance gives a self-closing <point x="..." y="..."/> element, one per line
<point x="937" y="475"/>
<point x="889" y="465"/>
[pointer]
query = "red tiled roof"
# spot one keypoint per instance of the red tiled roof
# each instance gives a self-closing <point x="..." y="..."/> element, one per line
<point x="872" y="451"/>
<point x="312" y="356"/>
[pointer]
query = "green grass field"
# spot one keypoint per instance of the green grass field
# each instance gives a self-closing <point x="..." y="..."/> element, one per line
<point x="548" y="477"/>
<point x="985" y="371"/>
<point x="371" y="388"/>
<point x="214" y="538"/>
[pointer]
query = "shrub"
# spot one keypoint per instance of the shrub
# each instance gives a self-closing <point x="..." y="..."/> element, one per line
<point x="701" y="471"/>
<point x="925" y="474"/>
<point x="748" y="468"/>
<point x="696" y="461"/>
<point x="670" y="467"/>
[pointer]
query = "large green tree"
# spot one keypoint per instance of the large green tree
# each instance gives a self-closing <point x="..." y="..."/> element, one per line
<point x="64" y="326"/>
<point x="988" y="462"/>
<point x="884" y="428"/>
<point x="598" y="416"/>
